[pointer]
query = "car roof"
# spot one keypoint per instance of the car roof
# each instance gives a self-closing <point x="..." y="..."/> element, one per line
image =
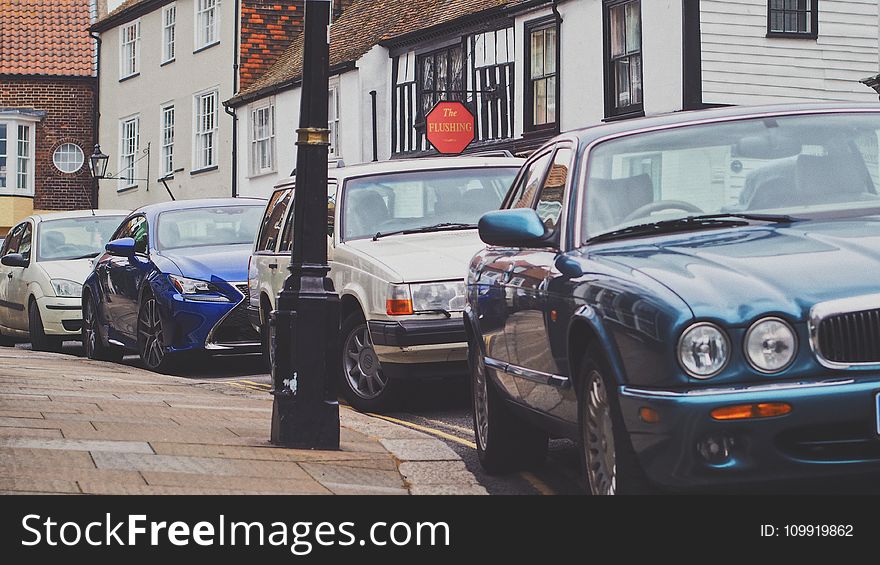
<point x="200" y="203"/>
<point x="421" y="164"/>
<point x="595" y="132"/>
<point x="46" y="216"/>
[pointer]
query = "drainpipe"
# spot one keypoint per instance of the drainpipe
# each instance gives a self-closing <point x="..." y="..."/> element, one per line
<point x="235" y="68"/>
<point x="96" y="110"/>
<point x="375" y="128"/>
<point x="231" y="112"/>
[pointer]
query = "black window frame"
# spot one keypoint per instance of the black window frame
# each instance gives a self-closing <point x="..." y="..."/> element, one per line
<point x="612" y="111"/>
<point x="461" y="96"/>
<point x="812" y="12"/>
<point x="530" y="27"/>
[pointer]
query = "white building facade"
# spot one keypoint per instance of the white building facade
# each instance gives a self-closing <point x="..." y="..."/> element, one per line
<point x="165" y="69"/>
<point x="531" y="69"/>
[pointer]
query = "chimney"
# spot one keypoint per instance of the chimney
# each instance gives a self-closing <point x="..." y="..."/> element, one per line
<point x="267" y="29"/>
<point x="340" y="6"/>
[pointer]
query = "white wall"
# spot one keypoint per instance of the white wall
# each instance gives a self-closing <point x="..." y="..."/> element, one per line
<point x="157" y="85"/>
<point x="742" y="66"/>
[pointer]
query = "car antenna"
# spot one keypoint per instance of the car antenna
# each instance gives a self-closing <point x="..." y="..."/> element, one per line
<point x="164" y="180"/>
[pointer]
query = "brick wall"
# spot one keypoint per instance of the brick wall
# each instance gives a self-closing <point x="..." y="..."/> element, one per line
<point x="267" y="28"/>
<point x="68" y="104"/>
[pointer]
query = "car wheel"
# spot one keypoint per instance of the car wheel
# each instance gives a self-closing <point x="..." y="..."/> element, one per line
<point x="39" y="340"/>
<point x="505" y="442"/>
<point x="93" y="345"/>
<point x="607" y="457"/>
<point x="365" y="386"/>
<point x="151" y="337"/>
<point x="267" y="335"/>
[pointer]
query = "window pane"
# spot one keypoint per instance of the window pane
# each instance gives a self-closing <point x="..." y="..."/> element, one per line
<point x="540" y="113"/>
<point x="633" y="28"/>
<point x="636" y="79"/>
<point x="538" y="54"/>
<point x="622" y="78"/>
<point x="618" y="32"/>
<point x="550" y="51"/>
<point x="550" y="202"/>
<point x="551" y="100"/>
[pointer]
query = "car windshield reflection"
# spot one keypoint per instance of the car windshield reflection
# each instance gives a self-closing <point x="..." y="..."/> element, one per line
<point x="75" y="238"/>
<point x="201" y="227"/>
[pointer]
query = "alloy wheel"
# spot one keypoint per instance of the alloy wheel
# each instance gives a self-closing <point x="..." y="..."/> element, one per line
<point x="90" y="330"/>
<point x="361" y="365"/>
<point x="481" y="403"/>
<point x="150" y="335"/>
<point x="599" y="438"/>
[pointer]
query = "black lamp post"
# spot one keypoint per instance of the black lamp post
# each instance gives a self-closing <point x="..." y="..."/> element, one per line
<point x="305" y="412"/>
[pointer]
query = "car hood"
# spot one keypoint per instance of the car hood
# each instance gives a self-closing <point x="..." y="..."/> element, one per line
<point x="75" y="270"/>
<point x="423" y="256"/>
<point x="227" y="262"/>
<point x="736" y="275"/>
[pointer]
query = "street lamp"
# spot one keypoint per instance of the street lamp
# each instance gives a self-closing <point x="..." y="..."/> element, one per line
<point x="98" y="163"/>
<point x="305" y="412"/>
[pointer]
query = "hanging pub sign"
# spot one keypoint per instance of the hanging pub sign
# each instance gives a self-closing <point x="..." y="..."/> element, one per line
<point x="450" y="127"/>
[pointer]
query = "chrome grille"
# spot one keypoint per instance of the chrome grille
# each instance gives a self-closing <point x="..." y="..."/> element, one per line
<point x="245" y="290"/>
<point x="850" y="337"/>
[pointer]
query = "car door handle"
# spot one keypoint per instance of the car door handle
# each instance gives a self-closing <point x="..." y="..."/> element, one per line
<point x="273" y="266"/>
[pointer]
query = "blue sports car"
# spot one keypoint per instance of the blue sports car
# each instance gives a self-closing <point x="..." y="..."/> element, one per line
<point x="694" y="299"/>
<point x="173" y="279"/>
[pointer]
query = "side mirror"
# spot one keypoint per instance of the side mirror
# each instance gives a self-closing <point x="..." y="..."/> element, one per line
<point x="521" y="227"/>
<point x="14" y="260"/>
<point x="123" y="247"/>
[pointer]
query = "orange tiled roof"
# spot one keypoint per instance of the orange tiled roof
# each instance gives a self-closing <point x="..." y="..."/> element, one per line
<point x="46" y="37"/>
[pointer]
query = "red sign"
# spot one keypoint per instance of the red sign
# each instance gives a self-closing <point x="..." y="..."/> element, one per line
<point x="450" y="127"/>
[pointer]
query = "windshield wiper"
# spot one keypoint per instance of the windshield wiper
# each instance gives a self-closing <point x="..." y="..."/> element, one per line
<point x="87" y="256"/>
<point x="427" y="229"/>
<point x="703" y="221"/>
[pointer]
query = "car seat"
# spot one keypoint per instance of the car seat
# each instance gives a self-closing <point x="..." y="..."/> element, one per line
<point x="612" y="200"/>
<point x="366" y="211"/>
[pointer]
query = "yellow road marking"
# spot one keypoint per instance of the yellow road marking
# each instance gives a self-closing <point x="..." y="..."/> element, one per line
<point x="248" y="387"/>
<point x="537" y="483"/>
<point x="264" y="385"/>
<point x="426" y="429"/>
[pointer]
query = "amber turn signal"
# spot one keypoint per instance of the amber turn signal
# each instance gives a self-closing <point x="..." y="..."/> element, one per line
<point x="649" y="415"/>
<point x="398" y="307"/>
<point x="751" y="411"/>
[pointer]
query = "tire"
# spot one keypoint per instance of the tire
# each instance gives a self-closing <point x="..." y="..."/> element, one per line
<point x="93" y="344"/>
<point x="505" y="442"/>
<point x="151" y="337"/>
<point x="39" y="340"/>
<point x="266" y="336"/>
<point x="363" y="383"/>
<point x="609" y="463"/>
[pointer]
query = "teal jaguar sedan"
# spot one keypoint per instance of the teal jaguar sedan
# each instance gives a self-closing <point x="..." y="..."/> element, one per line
<point x="694" y="299"/>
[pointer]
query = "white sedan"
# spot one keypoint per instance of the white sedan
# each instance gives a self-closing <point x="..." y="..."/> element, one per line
<point x="43" y="262"/>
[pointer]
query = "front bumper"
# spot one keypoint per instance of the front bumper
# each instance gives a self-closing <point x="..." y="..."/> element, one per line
<point x="213" y="326"/>
<point x="61" y="316"/>
<point x="832" y="430"/>
<point x="419" y="341"/>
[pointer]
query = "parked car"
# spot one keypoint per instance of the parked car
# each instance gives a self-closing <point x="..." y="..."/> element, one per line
<point x="694" y="299"/>
<point x="399" y="242"/>
<point x="173" y="280"/>
<point x="45" y="259"/>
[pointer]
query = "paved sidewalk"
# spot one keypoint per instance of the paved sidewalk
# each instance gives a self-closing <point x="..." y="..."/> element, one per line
<point x="70" y="425"/>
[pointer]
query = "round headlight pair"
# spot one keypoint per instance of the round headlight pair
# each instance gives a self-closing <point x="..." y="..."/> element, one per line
<point x="704" y="349"/>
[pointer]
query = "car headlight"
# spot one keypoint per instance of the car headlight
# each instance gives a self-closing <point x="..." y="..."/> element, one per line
<point x="446" y="296"/>
<point x="770" y="345"/>
<point x="196" y="289"/>
<point x="703" y="350"/>
<point x="67" y="289"/>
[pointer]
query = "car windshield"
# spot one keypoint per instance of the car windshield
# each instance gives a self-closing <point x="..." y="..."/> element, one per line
<point x="200" y="227"/>
<point x="75" y="238"/>
<point x="795" y="165"/>
<point x="422" y="200"/>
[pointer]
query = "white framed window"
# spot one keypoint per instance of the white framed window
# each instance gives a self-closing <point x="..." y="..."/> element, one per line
<point x="17" y="157"/>
<point x="68" y="158"/>
<point x="207" y="23"/>
<point x="205" y="143"/>
<point x="129" y="144"/>
<point x="333" y="120"/>
<point x="263" y="139"/>
<point x="167" y="136"/>
<point x="129" y="49"/>
<point x="169" y="25"/>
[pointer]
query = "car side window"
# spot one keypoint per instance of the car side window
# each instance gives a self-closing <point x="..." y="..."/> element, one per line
<point x="136" y="228"/>
<point x="13" y="239"/>
<point x="523" y="194"/>
<point x="287" y="237"/>
<point x="550" y="203"/>
<point x="271" y="228"/>
<point x="24" y="246"/>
